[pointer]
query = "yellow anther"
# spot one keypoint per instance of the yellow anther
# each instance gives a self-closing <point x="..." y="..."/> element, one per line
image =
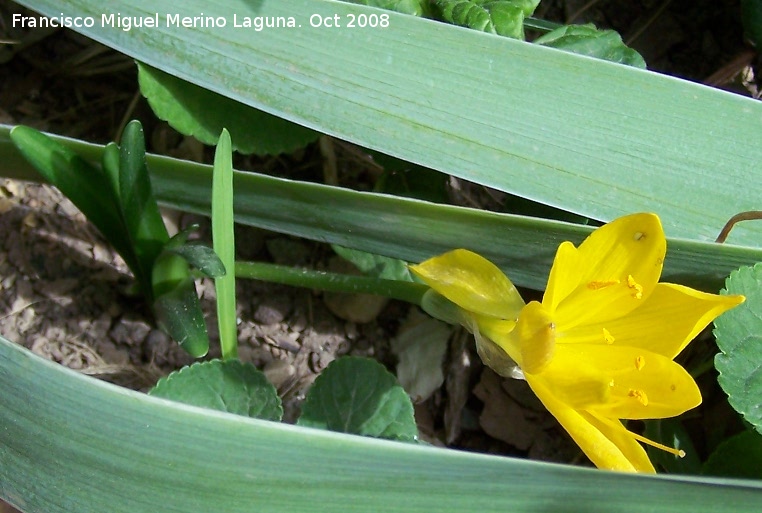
<point x="607" y="337"/>
<point x="595" y="285"/>
<point x="639" y="395"/>
<point x="637" y="288"/>
<point x="640" y="362"/>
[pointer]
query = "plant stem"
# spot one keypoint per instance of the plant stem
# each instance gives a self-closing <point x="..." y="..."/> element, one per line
<point x="331" y="282"/>
<point x="538" y="24"/>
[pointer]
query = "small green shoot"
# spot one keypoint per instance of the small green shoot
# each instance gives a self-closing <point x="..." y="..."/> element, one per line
<point x="139" y="209"/>
<point x="224" y="244"/>
<point x="118" y="199"/>
<point x="93" y="191"/>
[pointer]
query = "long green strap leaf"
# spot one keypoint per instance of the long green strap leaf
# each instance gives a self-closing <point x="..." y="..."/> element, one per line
<point x="581" y="134"/>
<point x="72" y="443"/>
<point x="403" y="228"/>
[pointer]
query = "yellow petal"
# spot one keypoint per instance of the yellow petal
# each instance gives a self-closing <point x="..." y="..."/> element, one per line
<point x="534" y="337"/>
<point x="471" y="282"/>
<point x="620" y="382"/>
<point x="564" y="275"/>
<point x="671" y="317"/>
<point x="624" y="440"/>
<point x="620" y="264"/>
<point x="606" y="447"/>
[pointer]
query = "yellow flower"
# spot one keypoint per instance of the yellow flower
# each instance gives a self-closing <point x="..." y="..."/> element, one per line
<point x="600" y="346"/>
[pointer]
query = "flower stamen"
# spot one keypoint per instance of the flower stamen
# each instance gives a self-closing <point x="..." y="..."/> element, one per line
<point x="637" y="288"/>
<point x="618" y="426"/>
<point x="639" y="395"/>
<point x="640" y="362"/>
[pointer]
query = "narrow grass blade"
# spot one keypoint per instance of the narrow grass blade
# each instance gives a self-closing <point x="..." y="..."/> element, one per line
<point x="224" y="244"/>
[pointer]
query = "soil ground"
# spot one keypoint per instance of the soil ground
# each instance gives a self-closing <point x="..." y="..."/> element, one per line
<point x="63" y="291"/>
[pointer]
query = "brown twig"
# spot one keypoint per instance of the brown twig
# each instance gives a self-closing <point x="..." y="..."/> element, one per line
<point x="743" y="216"/>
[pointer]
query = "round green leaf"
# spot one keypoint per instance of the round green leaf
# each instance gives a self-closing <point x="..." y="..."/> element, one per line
<point x="738" y="456"/>
<point x="359" y="396"/>
<point x="231" y="386"/>
<point x="192" y="110"/>
<point x="739" y="337"/>
<point x="590" y="41"/>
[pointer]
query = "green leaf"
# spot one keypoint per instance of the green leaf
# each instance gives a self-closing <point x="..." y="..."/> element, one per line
<point x="110" y="166"/>
<point x="738" y="456"/>
<point x="192" y="110"/>
<point x="414" y="7"/>
<point x="145" y="226"/>
<point x="359" y="396"/>
<point x="739" y="337"/>
<point x="195" y="253"/>
<point x="175" y="458"/>
<point x="376" y="266"/>
<point x="503" y="17"/>
<point x="176" y="305"/>
<point x="230" y="386"/>
<point x="588" y="40"/>
<point x="88" y="187"/>
<point x="498" y="114"/>
<point x="224" y="244"/>
<point x="200" y="257"/>
<point x="411" y="230"/>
